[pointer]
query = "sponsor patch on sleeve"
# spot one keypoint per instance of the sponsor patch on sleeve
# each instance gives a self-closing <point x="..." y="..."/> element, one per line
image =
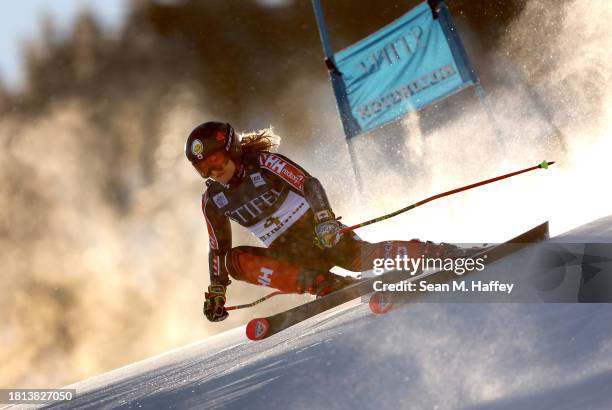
<point x="257" y="179"/>
<point x="220" y="200"/>
<point x="283" y="169"/>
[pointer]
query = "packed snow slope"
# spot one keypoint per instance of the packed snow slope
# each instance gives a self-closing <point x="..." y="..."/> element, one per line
<point x="419" y="356"/>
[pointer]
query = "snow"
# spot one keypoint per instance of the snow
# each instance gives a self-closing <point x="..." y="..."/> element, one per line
<point x="420" y="355"/>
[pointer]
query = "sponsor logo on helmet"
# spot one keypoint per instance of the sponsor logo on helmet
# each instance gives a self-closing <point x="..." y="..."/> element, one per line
<point x="197" y="148"/>
<point x="220" y="200"/>
<point x="219" y="136"/>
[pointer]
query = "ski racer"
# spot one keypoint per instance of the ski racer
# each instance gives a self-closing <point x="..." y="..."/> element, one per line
<point x="286" y="208"/>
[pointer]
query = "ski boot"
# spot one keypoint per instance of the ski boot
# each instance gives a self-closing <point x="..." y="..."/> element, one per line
<point x="320" y="284"/>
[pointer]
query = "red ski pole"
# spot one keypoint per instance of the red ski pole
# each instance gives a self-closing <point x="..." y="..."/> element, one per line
<point x="268" y="296"/>
<point x="543" y="165"/>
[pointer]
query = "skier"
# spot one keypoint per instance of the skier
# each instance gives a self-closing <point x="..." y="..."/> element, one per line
<point x="286" y="208"/>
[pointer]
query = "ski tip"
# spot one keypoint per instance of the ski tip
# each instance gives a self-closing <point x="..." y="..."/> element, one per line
<point x="379" y="305"/>
<point x="545" y="164"/>
<point x="257" y="329"/>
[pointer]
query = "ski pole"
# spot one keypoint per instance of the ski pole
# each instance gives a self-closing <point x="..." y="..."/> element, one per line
<point x="543" y="165"/>
<point x="268" y="296"/>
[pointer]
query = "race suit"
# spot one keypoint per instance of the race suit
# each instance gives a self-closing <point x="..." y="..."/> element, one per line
<point x="277" y="201"/>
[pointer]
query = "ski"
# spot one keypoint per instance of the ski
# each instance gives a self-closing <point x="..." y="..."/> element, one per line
<point x="382" y="302"/>
<point x="261" y="328"/>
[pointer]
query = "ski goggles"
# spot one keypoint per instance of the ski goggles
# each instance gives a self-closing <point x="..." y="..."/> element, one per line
<point x="214" y="162"/>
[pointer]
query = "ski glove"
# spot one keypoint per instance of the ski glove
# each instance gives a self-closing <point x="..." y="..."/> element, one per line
<point x="328" y="233"/>
<point x="214" y="304"/>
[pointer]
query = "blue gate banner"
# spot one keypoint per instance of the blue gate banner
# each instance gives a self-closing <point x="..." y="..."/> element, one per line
<point x="401" y="68"/>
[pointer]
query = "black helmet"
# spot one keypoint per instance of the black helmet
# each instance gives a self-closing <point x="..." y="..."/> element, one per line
<point x="209" y="137"/>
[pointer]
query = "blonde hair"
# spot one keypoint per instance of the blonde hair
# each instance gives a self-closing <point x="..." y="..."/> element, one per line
<point x="264" y="140"/>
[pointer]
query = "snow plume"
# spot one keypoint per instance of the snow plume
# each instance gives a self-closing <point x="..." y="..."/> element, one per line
<point x="571" y="74"/>
<point x="72" y="262"/>
<point x="548" y="86"/>
<point x="102" y="240"/>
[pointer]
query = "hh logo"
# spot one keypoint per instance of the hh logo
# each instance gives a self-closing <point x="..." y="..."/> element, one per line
<point x="274" y="163"/>
<point x="265" y="277"/>
<point x="283" y="169"/>
<point x="272" y="221"/>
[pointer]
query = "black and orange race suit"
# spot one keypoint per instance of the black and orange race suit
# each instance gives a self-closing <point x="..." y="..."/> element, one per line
<point x="277" y="200"/>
